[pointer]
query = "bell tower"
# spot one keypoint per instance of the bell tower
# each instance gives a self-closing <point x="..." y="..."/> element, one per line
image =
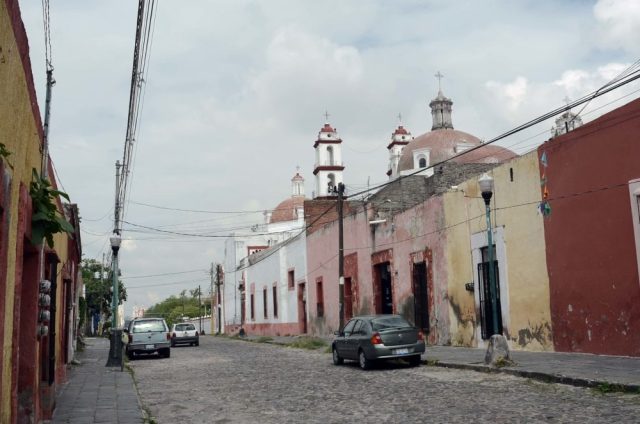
<point x="328" y="168"/>
<point x="399" y="138"/>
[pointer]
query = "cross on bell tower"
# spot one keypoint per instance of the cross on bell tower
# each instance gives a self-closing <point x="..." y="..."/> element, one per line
<point x="439" y="76"/>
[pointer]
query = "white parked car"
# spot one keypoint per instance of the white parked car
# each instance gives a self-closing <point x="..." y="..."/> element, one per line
<point x="184" y="333"/>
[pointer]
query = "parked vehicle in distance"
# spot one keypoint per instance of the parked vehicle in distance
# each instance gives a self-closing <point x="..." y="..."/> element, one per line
<point x="370" y="338"/>
<point x="148" y="335"/>
<point x="184" y="333"/>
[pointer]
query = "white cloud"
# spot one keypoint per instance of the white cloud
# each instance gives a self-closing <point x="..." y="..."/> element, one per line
<point x="513" y="93"/>
<point x="618" y="23"/>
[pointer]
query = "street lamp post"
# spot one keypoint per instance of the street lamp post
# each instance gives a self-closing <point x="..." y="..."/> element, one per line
<point x="115" y="247"/>
<point x="115" y="354"/>
<point x="486" y="187"/>
<point x="340" y="256"/>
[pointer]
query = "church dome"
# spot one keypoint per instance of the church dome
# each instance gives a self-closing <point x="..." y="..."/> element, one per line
<point x="287" y="210"/>
<point x="443" y="142"/>
<point x="292" y="208"/>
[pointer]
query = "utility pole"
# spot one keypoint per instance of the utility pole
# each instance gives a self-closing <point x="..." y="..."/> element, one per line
<point x="218" y="284"/>
<point x="211" y="330"/>
<point x="341" y="254"/>
<point x="200" y="308"/>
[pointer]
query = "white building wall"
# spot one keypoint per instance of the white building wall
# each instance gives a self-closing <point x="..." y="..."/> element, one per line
<point x="237" y="269"/>
<point x="272" y="268"/>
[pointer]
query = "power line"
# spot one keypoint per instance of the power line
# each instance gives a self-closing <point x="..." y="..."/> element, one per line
<point x="46" y="20"/>
<point x="164" y="274"/>
<point x="140" y="60"/>
<point x="173" y="283"/>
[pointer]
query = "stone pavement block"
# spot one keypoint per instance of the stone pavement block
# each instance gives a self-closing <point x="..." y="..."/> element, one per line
<point x="95" y="393"/>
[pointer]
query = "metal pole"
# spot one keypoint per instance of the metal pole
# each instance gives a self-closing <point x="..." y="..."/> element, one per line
<point x="492" y="277"/>
<point x="116" y="214"/>
<point x="211" y="301"/>
<point x="47" y="116"/>
<point x="341" y="255"/>
<point x="114" y="298"/>
<point x="200" y="308"/>
<point x="219" y="310"/>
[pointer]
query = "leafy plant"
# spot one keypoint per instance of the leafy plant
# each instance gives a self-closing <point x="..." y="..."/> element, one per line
<point x="45" y="221"/>
<point x="3" y="151"/>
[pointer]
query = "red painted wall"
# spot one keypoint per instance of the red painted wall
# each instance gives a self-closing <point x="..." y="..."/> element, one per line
<point x="591" y="254"/>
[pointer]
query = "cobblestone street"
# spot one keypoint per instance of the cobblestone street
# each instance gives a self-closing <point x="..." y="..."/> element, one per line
<point x="232" y="381"/>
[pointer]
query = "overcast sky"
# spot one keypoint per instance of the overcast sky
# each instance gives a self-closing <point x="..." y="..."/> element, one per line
<point x="236" y="92"/>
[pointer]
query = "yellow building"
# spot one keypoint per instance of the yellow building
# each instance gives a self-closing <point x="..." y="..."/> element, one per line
<point x="35" y="348"/>
<point x="518" y="237"/>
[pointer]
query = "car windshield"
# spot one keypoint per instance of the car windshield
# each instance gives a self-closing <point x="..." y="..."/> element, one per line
<point x="147" y="326"/>
<point x="185" y="327"/>
<point x="389" y="322"/>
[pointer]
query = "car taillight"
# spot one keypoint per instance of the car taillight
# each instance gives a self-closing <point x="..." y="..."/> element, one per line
<point x="420" y="336"/>
<point x="376" y="339"/>
<point x="168" y="336"/>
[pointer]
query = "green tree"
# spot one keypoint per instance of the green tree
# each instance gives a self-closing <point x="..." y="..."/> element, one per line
<point x="174" y="308"/>
<point x="97" y="289"/>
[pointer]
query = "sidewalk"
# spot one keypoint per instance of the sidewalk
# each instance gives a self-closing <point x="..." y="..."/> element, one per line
<point x="618" y="373"/>
<point x="95" y="393"/>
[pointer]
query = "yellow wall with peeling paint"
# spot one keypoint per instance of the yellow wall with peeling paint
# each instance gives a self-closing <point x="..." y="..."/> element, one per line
<point x="514" y="209"/>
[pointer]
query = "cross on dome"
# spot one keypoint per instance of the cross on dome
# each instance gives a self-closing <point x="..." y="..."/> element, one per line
<point x="400" y="118"/>
<point x="326" y="116"/>
<point x="439" y="76"/>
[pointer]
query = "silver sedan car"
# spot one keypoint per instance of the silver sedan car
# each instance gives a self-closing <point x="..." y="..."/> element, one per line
<point x="369" y="338"/>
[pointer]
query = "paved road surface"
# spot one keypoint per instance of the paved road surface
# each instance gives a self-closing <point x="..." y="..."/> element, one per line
<point x="232" y="381"/>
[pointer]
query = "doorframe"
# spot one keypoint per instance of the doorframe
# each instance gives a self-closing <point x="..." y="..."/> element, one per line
<point x="302" y="308"/>
<point x="377" y="259"/>
<point x="478" y="241"/>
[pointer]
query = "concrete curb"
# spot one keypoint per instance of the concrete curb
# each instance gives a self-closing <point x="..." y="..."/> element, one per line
<point x="541" y="376"/>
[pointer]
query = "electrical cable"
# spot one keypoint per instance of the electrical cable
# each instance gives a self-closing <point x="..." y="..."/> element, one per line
<point x="165" y="274"/>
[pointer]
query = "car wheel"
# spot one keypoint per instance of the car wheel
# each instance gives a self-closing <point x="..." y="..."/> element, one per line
<point x="364" y="363"/>
<point x="197" y="342"/>
<point x="415" y="361"/>
<point x="337" y="360"/>
<point x="130" y="355"/>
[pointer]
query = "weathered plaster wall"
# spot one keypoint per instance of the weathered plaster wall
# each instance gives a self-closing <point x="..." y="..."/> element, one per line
<point x="322" y="262"/>
<point x="403" y="238"/>
<point x="418" y="230"/>
<point x="519" y="239"/>
<point x="23" y="396"/>
<point x="595" y="292"/>
<point x="20" y="132"/>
